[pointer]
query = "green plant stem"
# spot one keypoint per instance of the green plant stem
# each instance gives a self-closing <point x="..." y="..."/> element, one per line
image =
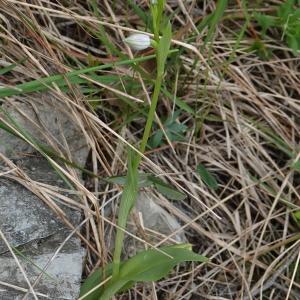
<point x="130" y="191"/>
<point x="154" y="16"/>
<point x="151" y="113"/>
<point x="131" y="187"/>
<point x="127" y="201"/>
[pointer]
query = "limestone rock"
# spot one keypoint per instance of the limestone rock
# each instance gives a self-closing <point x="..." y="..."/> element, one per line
<point x="154" y="217"/>
<point x="23" y="216"/>
<point x="61" y="279"/>
<point x="48" y="122"/>
<point x="157" y="218"/>
<point x="27" y="222"/>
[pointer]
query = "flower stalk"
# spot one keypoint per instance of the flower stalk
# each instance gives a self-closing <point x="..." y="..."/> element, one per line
<point x="162" y="46"/>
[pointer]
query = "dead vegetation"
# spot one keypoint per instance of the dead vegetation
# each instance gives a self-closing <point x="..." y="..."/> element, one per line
<point x="242" y="124"/>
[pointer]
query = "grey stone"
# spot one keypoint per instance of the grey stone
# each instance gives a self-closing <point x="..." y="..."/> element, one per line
<point x="25" y="220"/>
<point x="154" y="217"/>
<point x="157" y="218"/>
<point x="61" y="279"/>
<point x="23" y="216"/>
<point x="28" y="222"/>
<point x="46" y="120"/>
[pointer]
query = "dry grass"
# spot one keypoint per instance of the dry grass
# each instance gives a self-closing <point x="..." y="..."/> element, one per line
<point x="245" y="130"/>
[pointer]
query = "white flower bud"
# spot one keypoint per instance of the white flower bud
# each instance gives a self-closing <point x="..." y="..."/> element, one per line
<point x="138" y="41"/>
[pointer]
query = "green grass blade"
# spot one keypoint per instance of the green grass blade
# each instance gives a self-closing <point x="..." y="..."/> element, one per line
<point x="101" y="33"/>
<point x="7" y="69"/>
<point x="11" y="67"/>
<point x="215" y="19"/>
<point x="139" y="12"/>
<point x="73" y="76"/>
<point x="60" y="81"/>
<point x="180" y="103"/>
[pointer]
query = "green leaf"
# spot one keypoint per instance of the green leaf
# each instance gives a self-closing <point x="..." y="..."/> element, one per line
<point x="174" y="130"/>
<point x="149" y="265"/>
<point x="207" y="177"/>
<point x="156" y="140"/>
<point x="95" y="279"/>
<point x="296" y="166"/>
<point x="60" y="79"/>
<point x="297" y="215"/>
<point x="143" y="180"/>
<point x="261" y="50"/>
<point x="293" y="43"/>
<point x="146" y="180"/>
<point x="177" y="128"/>
<point x="166" y="189"/>
<point x="265" y="21"/>
<point x="46" y="83"/>
<point x="205" y="22"/>
<point x="128" y="199"/>
<point x="163" y="49"/>
<point x="285" y="10"/>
